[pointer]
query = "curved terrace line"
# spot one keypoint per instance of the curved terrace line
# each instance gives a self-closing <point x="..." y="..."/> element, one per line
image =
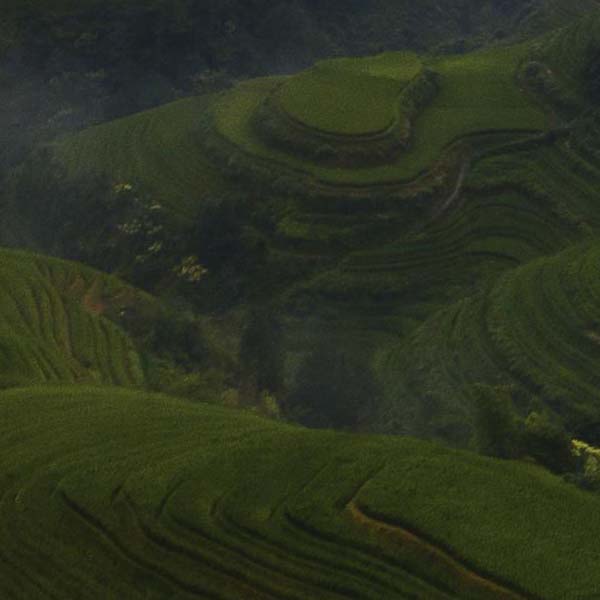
<point x="465" y="573"/>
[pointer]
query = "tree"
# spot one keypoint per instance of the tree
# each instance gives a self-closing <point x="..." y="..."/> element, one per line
<point x="548" y="443"/>
<point x="261" y="357"/>
<point x="332" y="389"/>
<point x="592" y="75"/>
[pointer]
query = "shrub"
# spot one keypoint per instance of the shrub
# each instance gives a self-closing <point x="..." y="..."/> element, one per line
<point x="587" y="466"/>
<point x="547" y="443"/>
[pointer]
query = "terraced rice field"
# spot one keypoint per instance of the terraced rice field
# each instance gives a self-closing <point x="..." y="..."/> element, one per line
<point x="158" y="150"/>
<point x="52" y="327"/>
<point x="117" y="494"/>
<point x="514" y="328"/>
<point x="512" y="207"/>
<point x="419" y="271"/>
<point x="478" y="93"/>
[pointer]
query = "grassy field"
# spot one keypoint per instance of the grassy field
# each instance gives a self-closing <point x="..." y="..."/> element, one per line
<point x="118" y="494"/>
<point x="158" y="150"/>
<point x="350" y="96"/>
<point x="478" y="93"/>
<point x="53" y="328"/>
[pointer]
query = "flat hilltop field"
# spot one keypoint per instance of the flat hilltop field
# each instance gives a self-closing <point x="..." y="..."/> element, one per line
<point x="350" y="96"/>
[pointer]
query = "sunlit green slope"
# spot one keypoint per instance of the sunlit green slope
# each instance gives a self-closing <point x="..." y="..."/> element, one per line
<point x="163" y="148"/>
<point x="113" y="494"/>
<point x="349" y="96"/>
<point x="54" y="326"/>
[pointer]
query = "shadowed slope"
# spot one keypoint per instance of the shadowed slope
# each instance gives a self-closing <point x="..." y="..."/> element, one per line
<point x="536" y="329"/>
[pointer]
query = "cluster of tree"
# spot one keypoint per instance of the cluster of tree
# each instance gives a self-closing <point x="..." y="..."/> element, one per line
<point x="592" y="75"/>
<point x="332" y="388"/>
<point x="119" y="228"/>
<point x="541" y="80"/>
<point x="117" y="58"/>
<point x="261" y="357"/>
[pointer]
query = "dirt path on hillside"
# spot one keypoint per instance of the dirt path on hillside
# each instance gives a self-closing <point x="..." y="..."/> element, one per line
<point x="455" y="195"/>
<point x="467" y="579"/>
<point x="92" y="301"/>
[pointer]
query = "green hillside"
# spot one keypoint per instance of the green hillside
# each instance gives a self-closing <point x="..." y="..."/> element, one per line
<point x="158" y="150"/>
<point x="54" y="326"/>
<point x="517" y="202"/>
<point x="116" y="494"/>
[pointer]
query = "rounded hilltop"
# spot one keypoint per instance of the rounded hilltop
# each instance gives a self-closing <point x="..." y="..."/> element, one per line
<point x="347" y="111"/>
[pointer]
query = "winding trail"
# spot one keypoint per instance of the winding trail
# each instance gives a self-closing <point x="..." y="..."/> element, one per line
<point x="456" y="192"/>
